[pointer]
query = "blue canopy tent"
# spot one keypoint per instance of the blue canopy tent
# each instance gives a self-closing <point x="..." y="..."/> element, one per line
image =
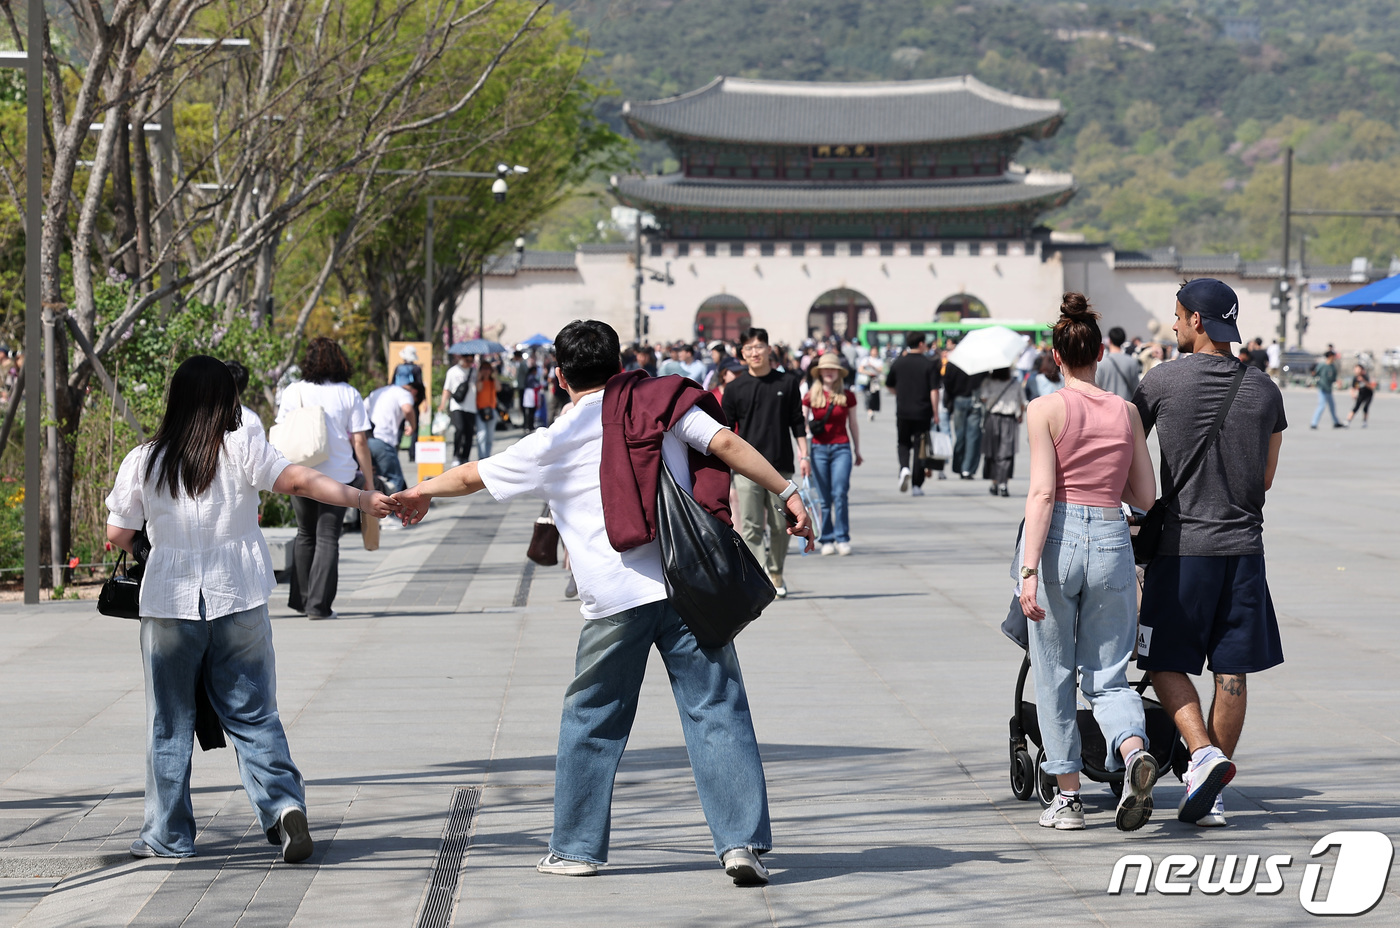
<point x="1383" y="296"/>
<point x="537" y="340"/>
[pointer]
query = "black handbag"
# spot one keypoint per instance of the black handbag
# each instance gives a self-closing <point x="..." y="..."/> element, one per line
<point x="1152" y="525"/>
<point x="121" y="592"/>
<point x="544" y="541"/>
<point x="713" y="580"/>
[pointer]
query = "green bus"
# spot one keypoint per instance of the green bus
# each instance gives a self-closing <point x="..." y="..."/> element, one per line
<point x="886" y="335"/>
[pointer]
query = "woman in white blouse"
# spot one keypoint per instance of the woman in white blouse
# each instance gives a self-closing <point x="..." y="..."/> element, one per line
<point x="204" y="595"/>
<point x="316" y="551"/>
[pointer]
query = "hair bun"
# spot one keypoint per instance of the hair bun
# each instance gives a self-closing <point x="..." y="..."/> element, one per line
<point x="1075" y="306"/>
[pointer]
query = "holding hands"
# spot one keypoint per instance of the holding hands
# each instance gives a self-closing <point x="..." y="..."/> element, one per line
<point x="412" y="505"/>
<point x="374" y="503"/>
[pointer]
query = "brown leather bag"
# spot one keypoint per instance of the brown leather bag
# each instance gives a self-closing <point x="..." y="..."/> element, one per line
<point x="544" y="543"/>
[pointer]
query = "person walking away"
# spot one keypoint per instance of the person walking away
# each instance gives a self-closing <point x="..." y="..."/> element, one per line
<point x="529" y="397"/>
<point x="871" y="370"/>
<point x="1088" y="455"/>
<point x="408" y="371"/>
<point x="1205" y="596"/>
<point x="390" y="409"/>
<point x="1327" y="378"/>
<point x="486" y="412"/>
<point x="194" y="488"/>
<point x="835" y="443"/>
<point x="1047" y="378"/>
<point x="623" y="597"/>
<point x="960" y="389"/>
<point x="914" y="379"/>
<point x="459" y="399"/>
<point x="1275" y="371"/>
<point x="1120" y="372"/>
<point x="251" y="420"/>
<point x="1004" y="403"/>
<point x="765" y="406"/>
<point x="1259" y="355"/>
<point x="1363" y="389"/>
<point x="325" y="374"/>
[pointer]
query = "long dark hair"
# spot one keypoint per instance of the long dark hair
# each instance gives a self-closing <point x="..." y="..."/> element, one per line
<point x="201" y="407"/>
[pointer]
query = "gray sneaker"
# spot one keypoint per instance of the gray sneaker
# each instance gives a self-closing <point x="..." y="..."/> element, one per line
<point x="743" y="865"/>
<point x="1135" y="805"/>
<point x="553" y="863"/>
<point x="1064" y="814"/>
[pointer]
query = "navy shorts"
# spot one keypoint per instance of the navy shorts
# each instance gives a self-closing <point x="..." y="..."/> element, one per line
<point x="1213" y="611"/>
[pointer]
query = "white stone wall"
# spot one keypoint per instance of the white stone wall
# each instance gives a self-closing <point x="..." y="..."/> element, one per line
<point x="779" y="291"/>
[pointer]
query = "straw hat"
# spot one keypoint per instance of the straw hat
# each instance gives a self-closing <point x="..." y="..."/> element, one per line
<point x="829" y="361"/>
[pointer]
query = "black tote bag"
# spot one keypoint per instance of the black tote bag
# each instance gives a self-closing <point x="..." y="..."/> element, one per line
<point x="712" y="578"/>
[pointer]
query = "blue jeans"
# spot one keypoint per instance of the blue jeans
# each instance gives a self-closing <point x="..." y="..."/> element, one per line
<point x="831" y="468"/>
<point x="240" y="675"/>
<point x="1088" y="591"/>
<point x="386" y="464"/>
<point x="1324" y="401"/>
<point x="967" y="440"/>
<point x="485" y="434"/>
<point x="599" y="708"/>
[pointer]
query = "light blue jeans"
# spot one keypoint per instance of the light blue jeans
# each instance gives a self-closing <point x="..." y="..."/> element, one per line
<point x="1087" y="589"/>
<point x="240" y="675"/>
<point x="599" y="708"/>
<point x="485" y="435"/>
<point x="1325" y="401"/>
<point x="831" y="468"/>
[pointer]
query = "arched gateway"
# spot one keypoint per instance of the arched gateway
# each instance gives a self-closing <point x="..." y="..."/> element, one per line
<point x="839" y="312"/>
<point x="722" y="317"/>
<point x="961" y="306"/>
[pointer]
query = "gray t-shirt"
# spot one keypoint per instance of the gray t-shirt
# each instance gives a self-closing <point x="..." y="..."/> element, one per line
<point x="1119" y="373"/>
<point x="1220" y="511"/>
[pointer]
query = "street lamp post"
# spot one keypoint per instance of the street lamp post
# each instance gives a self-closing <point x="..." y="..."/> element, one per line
<point x="646" y="221"/>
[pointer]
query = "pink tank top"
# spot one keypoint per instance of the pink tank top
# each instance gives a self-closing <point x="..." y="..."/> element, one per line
<point x="1094" y="451"/>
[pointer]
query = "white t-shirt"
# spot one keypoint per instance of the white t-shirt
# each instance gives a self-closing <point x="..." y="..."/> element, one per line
<point x="253" y="424"/>
<point x="209" y="544"/>
<point x="561" y="465"/>
<point x="455" y="375"/>
<point x="386" y="414"/>
<point x="345" y="414"/>
<point x="1275" y="355"/>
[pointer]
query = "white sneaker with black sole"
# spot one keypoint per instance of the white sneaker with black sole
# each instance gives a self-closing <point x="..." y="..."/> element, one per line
<point x="1064" y="814"/>
<point x="562" y="866"/>
<point x="743" y="865"/>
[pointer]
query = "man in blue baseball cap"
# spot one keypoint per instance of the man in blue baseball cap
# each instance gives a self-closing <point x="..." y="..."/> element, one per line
<point x="1205" y="597"/>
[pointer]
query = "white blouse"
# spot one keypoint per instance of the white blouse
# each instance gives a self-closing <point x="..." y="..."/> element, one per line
<point x="345" y="415"/>
<point x="207" y="545"/>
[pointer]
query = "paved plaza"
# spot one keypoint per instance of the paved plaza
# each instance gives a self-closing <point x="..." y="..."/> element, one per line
<point x="881" y="690"/>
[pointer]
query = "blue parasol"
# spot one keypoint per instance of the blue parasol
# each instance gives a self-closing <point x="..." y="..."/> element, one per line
<point x="478" y="346"/>
<point x="537" y="340"/>
<point x="1383" y="296"/>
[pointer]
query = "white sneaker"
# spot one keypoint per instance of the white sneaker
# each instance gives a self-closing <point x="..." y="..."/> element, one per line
<point x="552" y="863"/>
<point x="745" y="868"/>
<point x="1204" y="781"/>
<point x="828" y="549"/>
<point x="1064" y="814"/>
<point x="917" y="491"/>
<point x="778" y="585"/>
<point x="1215" y="818"/>
<point x="905" y="476"/>
<point x="843" y="548"/>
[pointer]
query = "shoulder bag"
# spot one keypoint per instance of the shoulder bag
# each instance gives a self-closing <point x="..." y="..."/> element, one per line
<point x="1150" y="529"/>
<point x="301" y="436"/>
<point x="544" y="543"/>
<point x="713" y="581"/>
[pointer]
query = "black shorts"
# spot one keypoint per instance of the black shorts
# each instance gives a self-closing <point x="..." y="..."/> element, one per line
<point x="1214" y="611"/>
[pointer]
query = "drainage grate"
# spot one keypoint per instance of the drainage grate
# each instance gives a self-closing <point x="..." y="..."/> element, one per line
<point x="456" y="835"/>
<point x="522" y="589"/>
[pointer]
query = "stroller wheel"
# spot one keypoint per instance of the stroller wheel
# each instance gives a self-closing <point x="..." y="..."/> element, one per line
<point x="1022" y="775"/>
<point x="1117" y="787"/>
<point x="1046" y="785"/>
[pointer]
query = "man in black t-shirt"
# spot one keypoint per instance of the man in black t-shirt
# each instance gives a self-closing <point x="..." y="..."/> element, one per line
<point x="915" y="379"/>
<point x="765" y="405"/>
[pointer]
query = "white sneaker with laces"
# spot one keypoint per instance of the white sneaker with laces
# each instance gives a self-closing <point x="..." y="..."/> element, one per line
<point x="843" y="548"/>
<point x="743" y="865"/>
<point x="905" y="477"/>
<point x="1204" y="781"/>
<point x="828" y="549"/>
<point x="1064" y="814"/>
<point x="561" y="866"/>
<point x="1215" y="818"/>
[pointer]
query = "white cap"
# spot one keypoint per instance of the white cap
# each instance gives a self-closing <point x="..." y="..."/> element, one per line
<point x="408" y="353"/>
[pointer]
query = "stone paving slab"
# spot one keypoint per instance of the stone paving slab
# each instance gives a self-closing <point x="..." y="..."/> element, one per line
<point x="881" y="690"/>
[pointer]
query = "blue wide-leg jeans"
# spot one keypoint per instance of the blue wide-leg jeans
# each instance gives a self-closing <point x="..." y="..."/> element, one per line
<point x="831" y="466"/>
<point x="599" y="708"/>
<point x="1088" y="590"/>
<point x="240" y="675"/>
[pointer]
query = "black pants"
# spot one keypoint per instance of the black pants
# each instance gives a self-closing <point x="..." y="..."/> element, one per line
<point x="910" y="431"/>
<point x="464" y="434"/>
<point x="315" y="556"/>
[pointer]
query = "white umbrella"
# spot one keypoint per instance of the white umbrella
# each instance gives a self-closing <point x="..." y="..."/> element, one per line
<point x="988" y="349"/>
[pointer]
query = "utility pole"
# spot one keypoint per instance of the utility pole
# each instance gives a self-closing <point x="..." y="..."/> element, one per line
<point x="1287" y="232"/>
<point x="637" y="284"/>
<point x="34" y="208"/>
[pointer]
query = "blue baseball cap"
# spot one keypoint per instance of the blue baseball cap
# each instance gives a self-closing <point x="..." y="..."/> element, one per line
<point x="1217" y="304"/>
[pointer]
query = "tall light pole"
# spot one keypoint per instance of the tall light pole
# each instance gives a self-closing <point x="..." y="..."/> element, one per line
<point x="645" y="220"/>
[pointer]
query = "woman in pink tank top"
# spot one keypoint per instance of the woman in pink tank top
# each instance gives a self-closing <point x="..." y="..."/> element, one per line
<point x="1079" y="584"/>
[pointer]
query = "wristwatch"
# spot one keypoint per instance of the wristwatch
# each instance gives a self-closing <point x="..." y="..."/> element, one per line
<point x="790" y="489"/>
<point x="1027" y="572"/>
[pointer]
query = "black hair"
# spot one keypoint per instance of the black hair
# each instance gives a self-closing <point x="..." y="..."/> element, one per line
<point x="1076" y="335"/>
<point x="915" y="339"/>
<point x="200" y="408"/>
<point x="417" y="389"/>
<point x="1116" y="336"/>
<point x="325" y="362"/>
<point x="588" y="352"/>
<point x="240" y="375"/>
<point x="755" y="333"/>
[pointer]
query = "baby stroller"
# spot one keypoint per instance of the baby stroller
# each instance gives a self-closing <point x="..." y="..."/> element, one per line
<point x="1164" y="743"/>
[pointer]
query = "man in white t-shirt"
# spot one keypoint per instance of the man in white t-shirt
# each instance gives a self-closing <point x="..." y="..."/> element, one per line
<point x="389" y="409"/>
<point x="623" y="595"/>
<point x="461" y="377"/>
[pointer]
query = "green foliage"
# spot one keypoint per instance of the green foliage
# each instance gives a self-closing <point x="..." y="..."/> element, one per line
<point x="1174" y="133"/>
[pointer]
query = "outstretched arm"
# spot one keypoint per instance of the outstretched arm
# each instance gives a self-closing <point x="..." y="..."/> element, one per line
<point x="463" y="480"/>
<point x="296" y="480"/>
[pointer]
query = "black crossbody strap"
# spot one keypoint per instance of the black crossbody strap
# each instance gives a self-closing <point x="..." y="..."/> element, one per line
<point x="1200" y="455"/>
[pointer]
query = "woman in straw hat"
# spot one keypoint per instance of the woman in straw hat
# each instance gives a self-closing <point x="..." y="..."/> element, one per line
<point x="835" y="447"/>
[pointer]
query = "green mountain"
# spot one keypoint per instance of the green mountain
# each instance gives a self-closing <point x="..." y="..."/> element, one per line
<point x="1178" y="112"/>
